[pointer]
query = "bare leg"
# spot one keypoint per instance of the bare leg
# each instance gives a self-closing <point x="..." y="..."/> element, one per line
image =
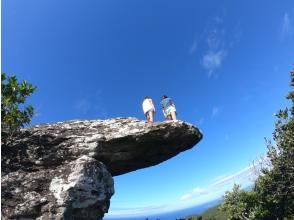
<point x="168" y="117"/>
<point x="150" y="114"/>
<point x="147" y="116"/>
<point x="173" y="116"/>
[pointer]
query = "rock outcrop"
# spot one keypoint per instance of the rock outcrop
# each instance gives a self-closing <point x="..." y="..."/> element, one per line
<point x="64" y="170"/>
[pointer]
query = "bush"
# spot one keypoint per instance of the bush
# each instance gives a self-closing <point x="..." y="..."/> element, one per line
<point x="14" y="115"/>
<point x="273" y="193"/>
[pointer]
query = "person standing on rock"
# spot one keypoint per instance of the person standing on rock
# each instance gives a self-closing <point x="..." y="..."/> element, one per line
<point x="168" y="108"/>
<point x="148" y="108"/>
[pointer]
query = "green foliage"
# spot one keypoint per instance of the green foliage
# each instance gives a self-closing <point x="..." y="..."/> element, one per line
<point x="273" y="194"/>
<point x="275" y="187"/>
<point x="213" y="213"/>
<point x="14" y="114"/>
<point x="239" y="204"/>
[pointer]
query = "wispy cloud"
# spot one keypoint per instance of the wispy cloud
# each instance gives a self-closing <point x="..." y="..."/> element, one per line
<point x="200" y="191"/>
<point x="196" y="196"/>
<point x="215" y="111"/>
<point x="186" y="196"/>
<point x="213" y="60"/>
<point x="287" y="28"/>
<point x="247" y="174"/>
<point x="37" y="111"/>
<point x="216" y="51"/>
<point x="136" y="211"/>
<point x="195" y="192"/>
<point x="221" y="184"/>
<point x="217" y="39"/>
<point x="194" y="46"/>
<point x="200" y="122"/>
<point x="141" y="211"/>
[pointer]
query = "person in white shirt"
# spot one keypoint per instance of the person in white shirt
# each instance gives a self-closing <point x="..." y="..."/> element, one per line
<point x="148" y="108"/>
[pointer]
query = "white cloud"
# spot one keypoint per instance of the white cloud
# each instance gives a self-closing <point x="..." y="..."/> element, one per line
<point x="240" y="176"/>
<point x="216" y="51"/>
<point x="199" y="191"/>
<point x="217" y="42"/>
<point x="186" y="196"/>
<point x="287" y="29"/>
<point x="213" y="60"/>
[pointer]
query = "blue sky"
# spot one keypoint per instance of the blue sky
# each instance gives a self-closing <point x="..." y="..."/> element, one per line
<point x="224" y="63"/>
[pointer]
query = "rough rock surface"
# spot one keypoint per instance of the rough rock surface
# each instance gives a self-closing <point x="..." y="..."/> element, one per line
<point x="80" y="189"/>
<point x="64" y="170"/>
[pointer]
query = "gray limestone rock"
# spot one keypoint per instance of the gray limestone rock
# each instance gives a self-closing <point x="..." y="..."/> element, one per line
<point x="64" y="170"/>
<point x="80" y="189"/>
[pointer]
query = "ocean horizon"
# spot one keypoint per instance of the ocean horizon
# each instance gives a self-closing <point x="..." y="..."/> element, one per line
<point x="179" y="214"/>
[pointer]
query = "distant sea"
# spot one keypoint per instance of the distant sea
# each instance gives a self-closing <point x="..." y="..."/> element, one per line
<point x="181" y="214"/>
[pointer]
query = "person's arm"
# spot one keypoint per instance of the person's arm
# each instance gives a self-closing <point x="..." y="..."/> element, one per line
<point x="164" y="114"/>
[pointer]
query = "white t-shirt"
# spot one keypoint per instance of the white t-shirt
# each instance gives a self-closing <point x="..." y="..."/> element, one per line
<point x="147" y="105"/>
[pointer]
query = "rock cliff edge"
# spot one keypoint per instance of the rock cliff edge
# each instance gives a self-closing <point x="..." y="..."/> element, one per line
<point x="64" y="170"/>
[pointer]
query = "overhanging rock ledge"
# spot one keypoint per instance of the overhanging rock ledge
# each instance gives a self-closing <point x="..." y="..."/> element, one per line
<point x="64" y="170"/>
